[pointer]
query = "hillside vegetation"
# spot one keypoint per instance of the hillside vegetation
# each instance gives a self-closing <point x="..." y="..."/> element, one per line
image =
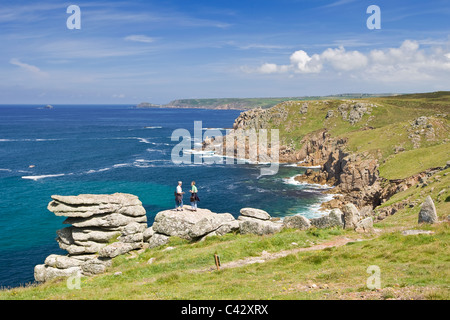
<point x="389" y="131"/>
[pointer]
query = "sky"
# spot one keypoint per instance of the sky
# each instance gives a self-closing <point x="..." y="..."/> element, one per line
<point x="157" y="51"/>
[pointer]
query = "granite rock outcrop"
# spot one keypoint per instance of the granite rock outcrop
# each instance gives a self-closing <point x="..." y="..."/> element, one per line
<point x="102" y="227"/>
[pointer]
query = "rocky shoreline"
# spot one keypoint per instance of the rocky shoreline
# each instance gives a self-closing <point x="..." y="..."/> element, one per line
<point x="353" y="176"/>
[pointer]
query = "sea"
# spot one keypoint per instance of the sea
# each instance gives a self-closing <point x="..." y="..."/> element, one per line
<point x="104" y="149"/>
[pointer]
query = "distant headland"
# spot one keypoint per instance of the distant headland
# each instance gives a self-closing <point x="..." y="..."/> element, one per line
<point x="248" y="103"/>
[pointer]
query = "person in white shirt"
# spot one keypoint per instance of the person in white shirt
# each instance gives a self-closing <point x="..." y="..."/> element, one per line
<point x="179" y="197"/>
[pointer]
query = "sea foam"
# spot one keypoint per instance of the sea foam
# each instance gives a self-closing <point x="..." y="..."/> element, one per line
<point x="36" y="178"/>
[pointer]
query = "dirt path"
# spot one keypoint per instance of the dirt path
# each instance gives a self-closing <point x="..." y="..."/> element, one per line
<point x="266" y="256"/>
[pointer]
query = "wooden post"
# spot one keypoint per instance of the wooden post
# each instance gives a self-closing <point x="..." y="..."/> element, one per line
<point x="217" y="260"/>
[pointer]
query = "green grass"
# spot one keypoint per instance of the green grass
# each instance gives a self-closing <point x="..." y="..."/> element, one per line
<point x="407" y="163"/>
<point x="406" y="262"/>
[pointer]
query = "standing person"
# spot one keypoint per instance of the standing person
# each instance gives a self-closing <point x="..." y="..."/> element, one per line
<point x="179" y="197"/>
<point x="194" y="197"/>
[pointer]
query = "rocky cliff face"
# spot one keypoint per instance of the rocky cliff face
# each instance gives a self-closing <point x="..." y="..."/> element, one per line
<point x="355" y="176"/>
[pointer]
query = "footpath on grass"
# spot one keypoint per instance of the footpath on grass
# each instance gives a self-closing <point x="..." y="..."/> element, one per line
<point x="266" y="256"/>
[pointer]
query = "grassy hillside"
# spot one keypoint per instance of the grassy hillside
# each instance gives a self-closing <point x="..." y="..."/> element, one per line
<point x="388" y="132"/>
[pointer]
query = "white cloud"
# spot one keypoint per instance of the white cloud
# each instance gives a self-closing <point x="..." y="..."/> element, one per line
<point x="303" y="63"/>
<point x="268" y="68"/>
<point x="26" y="66"/>
<point x="408" y="62"/>
<point x="139" y="38"/>
<point x="344" y="60"/>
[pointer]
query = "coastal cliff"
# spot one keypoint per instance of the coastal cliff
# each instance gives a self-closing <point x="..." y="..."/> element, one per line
<point x="352" y="143"/>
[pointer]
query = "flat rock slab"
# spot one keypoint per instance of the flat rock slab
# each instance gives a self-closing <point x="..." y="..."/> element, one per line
<point x="87" y="205"/>
<point x="249" y="225"/>
<point x="97" y="199"/>
<point x="416" y="232"/>
<point x="111" y="221"/>
<point x="255" y="213"/>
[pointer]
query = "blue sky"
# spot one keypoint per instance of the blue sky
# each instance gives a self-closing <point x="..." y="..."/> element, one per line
<point x="156" y="51"/>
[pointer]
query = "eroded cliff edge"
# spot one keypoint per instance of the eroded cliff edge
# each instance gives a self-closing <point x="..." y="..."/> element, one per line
<point x="348" y="141"/>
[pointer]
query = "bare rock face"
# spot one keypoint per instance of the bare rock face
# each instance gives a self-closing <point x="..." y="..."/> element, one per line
<point x="258" y="222"/>
<point x="428" y="213"/>
<point x="191" y="225"/>
<point x="334" y="219"/>
<point x="364" y="225"/>
<point x="255" y="213"/>
<point x="353" y="113"/>
<point x="351" y="216"/>
<point x="158" y="239"/>
<point x="304" y="108"/>
<point x="258" y="227"/>
<point x="297" y="222"/>
<point x="102" y="227"/>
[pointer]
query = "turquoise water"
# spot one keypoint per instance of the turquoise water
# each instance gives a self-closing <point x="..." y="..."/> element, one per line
<point x="71" y="150"/>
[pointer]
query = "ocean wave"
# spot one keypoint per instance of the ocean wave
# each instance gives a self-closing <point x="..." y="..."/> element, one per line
<point x="310" y="167"/>
<point x="120" y="165"/>
<point x="290" y="165"/>
<point x="294" y="182"/>
<point x="99" y="170"/>
<point x="28" y="140"/>
<point x="144" y="140"/>
<point x="36" y="178"/>
<point x="193" y="151"/>
<point x="153" y="127"/>
<point x="257" y="189"/>
<point x="142" y="163"/>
